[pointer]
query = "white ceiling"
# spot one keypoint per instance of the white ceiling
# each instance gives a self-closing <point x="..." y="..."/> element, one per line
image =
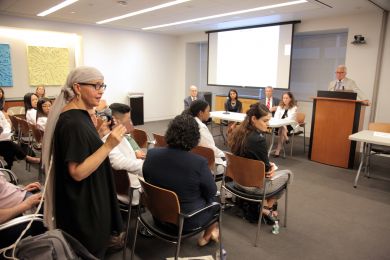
<point x="91" y="11"/>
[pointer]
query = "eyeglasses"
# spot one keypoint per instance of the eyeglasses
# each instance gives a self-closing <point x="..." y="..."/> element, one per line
<point x="97" y="86"/>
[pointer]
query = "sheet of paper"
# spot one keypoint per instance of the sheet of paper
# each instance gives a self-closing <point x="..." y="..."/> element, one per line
<point x="381" y="134"/>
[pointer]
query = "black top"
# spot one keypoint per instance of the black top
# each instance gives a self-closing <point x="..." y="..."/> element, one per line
<point x="256" y="148"/>
<point x="237" y="108"/>
<point x="87" y="209"/>
<point x="184" y="173"/>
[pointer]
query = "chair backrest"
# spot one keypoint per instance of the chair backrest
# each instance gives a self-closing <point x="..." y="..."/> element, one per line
<point x="244" y="171"/>
<point x="37" y="133"/>
<point x="141" y="137"/>
<point x="381" y="127"/>
<point x="207" y="153"/>
<point x="159" y="140"/>
<point x="9" y="176"/>
<point x="23" y="126"/>
<point x="18" y="110"/>
<point x="163" y="204"/>
<point x="14" y="121"/>
<point x="301" y="118"/>
<point x="122" y="181"/>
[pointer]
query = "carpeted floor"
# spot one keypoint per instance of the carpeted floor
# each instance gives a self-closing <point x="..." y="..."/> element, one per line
<point x="327" y="217"/>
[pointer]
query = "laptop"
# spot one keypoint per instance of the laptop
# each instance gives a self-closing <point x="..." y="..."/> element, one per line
<point x="337" y="94"/>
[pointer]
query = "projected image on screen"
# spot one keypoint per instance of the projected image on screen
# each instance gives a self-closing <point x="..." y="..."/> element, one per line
<point x="255" y="57"/>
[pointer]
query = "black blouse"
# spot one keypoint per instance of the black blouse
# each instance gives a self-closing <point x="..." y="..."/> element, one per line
<point x="87" y="209"/>
<point x="255" y="147"/>
<point x="229" y="107"/>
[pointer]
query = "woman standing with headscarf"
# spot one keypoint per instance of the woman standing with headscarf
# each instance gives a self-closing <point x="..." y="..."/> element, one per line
<point x="81" y="194"/>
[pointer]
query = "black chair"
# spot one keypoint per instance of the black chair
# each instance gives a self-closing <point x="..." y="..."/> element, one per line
<point x="125" y="193"/>
<point x="250" y="173"/>
<point x="12" y="229"/>
<point x="163" y="205"/>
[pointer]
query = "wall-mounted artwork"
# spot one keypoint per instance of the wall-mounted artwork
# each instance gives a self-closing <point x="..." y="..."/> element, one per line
<point x="47" y="65"/>
<point x="5" y="66"/>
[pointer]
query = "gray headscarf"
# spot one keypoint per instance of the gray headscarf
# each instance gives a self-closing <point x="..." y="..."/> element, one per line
<point x="80" y="74"/>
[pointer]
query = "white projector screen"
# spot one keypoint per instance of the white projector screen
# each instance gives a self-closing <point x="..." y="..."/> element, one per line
<point x="252" y="57"/>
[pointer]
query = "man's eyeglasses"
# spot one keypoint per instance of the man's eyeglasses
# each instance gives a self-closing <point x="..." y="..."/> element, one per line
<point x="97" y="86"/>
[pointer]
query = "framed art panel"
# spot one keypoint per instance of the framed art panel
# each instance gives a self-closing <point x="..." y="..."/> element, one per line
<point x="5" y="66"/>
<point x="47" y="65"/>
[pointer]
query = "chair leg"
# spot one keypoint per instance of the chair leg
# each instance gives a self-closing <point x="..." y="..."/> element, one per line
<point x="220" y="232"/>
<point x="285" y="206"/>
<point x="181" y="222"/>
<point x="304" y="139"/>
<point x="131" y="192"/>
<point x="292" y="144"/>
<point x="260" y="217"/>
<point x="135" y="238"/>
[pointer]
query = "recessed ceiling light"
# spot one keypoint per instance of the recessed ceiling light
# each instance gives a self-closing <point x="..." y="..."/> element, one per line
<point x="57" y="7"/>
<point x="150" y="9"/>
<point x="122" y="2"/>
<point x="261" y="8"/>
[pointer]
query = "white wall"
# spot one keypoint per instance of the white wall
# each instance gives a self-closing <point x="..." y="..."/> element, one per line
<point x="131" y="62"/>
<point x="383" y="105"/>
<point x="360" y="59"/>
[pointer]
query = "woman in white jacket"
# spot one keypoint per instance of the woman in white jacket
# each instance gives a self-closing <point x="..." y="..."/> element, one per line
<point x="287" y="109"/>
<point x="200" y="110"/>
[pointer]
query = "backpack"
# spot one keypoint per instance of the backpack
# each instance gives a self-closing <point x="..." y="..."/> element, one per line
<point x="53" y="244"/>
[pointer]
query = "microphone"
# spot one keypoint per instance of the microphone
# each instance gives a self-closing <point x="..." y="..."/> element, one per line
<point x="226" y="106"/>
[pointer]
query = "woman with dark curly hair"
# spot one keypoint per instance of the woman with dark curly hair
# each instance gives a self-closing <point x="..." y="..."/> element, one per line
<point x="185" y="173"/>
<point x="2" y="99"/>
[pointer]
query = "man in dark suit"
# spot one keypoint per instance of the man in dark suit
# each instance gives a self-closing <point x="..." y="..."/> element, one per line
<point x="271" y="102"/>
<point x="194" y="95"/>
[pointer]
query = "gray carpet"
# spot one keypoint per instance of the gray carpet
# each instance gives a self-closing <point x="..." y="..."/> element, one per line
<point x="327" y="217"/>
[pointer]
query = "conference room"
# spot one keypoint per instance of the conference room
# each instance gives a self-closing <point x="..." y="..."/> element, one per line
<point x="154" y="51"/>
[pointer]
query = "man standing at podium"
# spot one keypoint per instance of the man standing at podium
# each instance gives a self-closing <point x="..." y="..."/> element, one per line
<point x="342" y="83"/>
<point x="194" y="95"/>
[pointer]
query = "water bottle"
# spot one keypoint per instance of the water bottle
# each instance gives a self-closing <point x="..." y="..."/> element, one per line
<point x="218" y="255"/>
<point x="275" y="228"/>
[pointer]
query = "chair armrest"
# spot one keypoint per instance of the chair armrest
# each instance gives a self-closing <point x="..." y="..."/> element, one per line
<point x="13" y="178"/>
<point x="193" y="213"/>
<point x="22" y="219"/>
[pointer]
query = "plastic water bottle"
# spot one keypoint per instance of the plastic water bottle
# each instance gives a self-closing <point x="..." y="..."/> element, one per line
<point x="218" y="255"/>
<point x="275" y="228"/>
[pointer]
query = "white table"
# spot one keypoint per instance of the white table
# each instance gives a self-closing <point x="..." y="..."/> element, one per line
<point x="368" y="138"/>
<point x="239" y="117"/>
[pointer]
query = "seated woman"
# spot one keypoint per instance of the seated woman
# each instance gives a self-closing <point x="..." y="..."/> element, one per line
<point x="185" y="173"/>
<point x="200" y="110"/>
<point x="15" y="200"/>
<point x="30" y="106"/>
<point x="287" y="109"/>
<point x="232" y="104"/>
<point x="8" y="149"/>
<point x="43" y="109"/>
<point x="248" y="140"/>
<point x="40" y="91"/>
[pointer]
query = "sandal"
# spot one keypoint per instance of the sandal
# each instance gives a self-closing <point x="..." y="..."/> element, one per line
<point x="269" y="217"/>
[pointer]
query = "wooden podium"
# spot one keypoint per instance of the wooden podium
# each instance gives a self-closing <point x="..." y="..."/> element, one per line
<point x="333" y="120"/>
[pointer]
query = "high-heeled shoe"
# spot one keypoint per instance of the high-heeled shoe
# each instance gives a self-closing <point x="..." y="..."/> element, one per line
<point x="215" y="235"/>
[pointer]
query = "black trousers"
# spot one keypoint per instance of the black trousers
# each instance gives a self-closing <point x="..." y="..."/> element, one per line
<point x="11" y="151"/>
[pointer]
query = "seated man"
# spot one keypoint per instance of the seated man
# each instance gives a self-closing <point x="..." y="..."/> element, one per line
<point x="194" y="95"/>
<point x="15" y="200"/>
<point x="123" y="157"/>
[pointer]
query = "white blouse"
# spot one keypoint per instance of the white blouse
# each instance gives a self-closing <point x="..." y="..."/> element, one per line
<point x="31" y="116"/>
<point x="41" y="123"/>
